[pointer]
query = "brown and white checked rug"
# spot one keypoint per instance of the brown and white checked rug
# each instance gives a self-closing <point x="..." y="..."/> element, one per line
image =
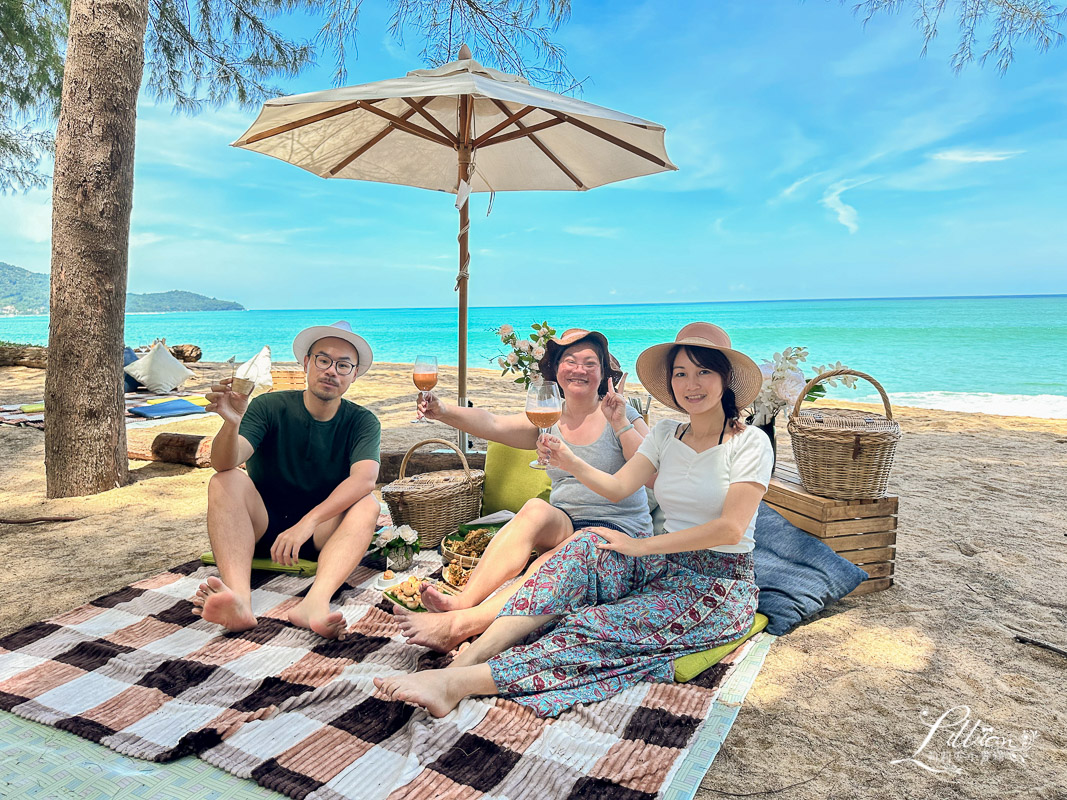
<point x="137" y="672"/>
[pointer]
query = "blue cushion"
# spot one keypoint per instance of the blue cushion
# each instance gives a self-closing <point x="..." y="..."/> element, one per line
<point x="130" y="383"/>
<point x="171" y="408"/>
<point x="797" y="574"/>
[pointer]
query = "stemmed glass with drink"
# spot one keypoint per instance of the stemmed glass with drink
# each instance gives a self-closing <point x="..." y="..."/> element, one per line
<point x="543" y="408"/>
<point x="424" y="375"/>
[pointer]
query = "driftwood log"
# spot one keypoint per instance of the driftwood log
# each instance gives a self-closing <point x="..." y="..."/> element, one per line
<point x="176" y="448"/>
<point x="27" y="356"/>
<point x="188" y="353"/>
<point x="424" y="461"/>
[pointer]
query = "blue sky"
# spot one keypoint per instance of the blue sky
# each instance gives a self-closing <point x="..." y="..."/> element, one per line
<point x="818" y="158"/>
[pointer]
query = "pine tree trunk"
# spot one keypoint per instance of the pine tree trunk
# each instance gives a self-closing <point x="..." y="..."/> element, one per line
<point x="85" y="433"/>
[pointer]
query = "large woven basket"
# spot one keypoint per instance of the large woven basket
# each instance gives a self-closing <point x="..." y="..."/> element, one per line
<point x="435" y="503"/>
<point x="843" y="454"/>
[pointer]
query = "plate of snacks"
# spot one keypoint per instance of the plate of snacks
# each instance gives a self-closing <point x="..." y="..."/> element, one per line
<point x="406" y="593"/>
<point x="467" y="546"/>
<point x="455" y="575"/>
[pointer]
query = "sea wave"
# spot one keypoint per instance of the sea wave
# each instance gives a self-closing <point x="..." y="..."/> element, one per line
<point x="1045" y="406"/>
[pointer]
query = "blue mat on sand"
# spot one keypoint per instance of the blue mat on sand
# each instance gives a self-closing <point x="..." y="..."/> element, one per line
<point x="171" y="408"/>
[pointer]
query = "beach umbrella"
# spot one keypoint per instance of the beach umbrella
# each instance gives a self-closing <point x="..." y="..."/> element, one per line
<point x="459" y="128"/>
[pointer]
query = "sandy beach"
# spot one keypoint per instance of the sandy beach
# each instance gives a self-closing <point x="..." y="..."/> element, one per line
<point x="980" y="553"/>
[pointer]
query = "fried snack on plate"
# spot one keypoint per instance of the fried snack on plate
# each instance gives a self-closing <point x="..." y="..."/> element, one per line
<point x="406" y="593"/>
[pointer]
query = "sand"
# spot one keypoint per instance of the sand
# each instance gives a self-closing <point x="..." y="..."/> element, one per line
<point x="980" y="552"/>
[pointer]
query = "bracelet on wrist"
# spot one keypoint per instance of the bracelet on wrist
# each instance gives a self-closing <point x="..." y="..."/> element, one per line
<point x="621" y="431"/>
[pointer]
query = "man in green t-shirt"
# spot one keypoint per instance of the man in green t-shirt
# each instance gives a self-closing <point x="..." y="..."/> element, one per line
<point x="312" y="460"/>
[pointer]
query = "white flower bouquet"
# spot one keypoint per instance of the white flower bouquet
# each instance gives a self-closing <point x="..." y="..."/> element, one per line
<point x="524" y="354"/>
<point x="397" y="544"/>
<point x="784" y="380"/>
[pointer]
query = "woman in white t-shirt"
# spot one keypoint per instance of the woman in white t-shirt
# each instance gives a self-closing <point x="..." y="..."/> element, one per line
<point x="614" y="609"/>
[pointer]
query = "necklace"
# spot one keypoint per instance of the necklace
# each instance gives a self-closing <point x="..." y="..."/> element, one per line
<point x="688" y="425"/>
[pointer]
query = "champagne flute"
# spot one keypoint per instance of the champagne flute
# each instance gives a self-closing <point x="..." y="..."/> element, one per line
<point x="543" y="408"/>
<point x="424" y="375"/>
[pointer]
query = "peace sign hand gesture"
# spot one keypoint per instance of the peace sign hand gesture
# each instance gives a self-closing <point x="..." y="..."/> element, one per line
<point x="613" y="405"/>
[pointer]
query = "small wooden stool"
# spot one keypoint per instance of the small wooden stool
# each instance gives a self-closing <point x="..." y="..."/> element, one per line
<point x="286" y="378"/>
<point x="863" y="531"/>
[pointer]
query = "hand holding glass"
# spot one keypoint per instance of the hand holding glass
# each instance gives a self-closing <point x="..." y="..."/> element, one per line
<point x="424" y="375"/>
<point x="543" y="408"/>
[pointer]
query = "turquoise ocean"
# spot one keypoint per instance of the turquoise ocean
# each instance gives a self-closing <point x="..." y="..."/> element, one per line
<point x="996" y="355"/>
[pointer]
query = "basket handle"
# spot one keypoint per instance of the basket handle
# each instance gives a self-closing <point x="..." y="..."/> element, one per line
<point x="833" y="374"/>
<point x="414" y="447"/>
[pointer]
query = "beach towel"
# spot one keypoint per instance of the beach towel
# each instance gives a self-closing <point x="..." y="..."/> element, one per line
<point x="138" y="672"/>
<point x="14" y="415"/>
<point x="179" y="407"/>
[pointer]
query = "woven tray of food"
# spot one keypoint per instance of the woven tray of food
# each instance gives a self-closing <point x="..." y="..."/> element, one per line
<point x="466" y="547"/>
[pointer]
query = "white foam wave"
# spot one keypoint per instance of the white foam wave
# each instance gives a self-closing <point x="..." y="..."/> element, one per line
<point x="1045" y="406"/>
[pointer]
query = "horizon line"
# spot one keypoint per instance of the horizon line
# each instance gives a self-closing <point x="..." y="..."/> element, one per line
<point x="599" y="305"/>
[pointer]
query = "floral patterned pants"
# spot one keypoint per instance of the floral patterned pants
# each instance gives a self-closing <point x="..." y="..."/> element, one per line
<point x="623" y="619"/>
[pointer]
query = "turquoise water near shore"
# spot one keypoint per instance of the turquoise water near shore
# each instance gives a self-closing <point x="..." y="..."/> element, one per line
<point x="992" y="354"/>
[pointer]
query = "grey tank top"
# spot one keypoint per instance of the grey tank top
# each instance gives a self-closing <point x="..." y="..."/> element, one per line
<point x="568" y="493"/>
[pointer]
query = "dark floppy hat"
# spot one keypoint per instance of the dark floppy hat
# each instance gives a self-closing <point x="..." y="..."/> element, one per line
<point x="653" y="369"/>
<point x="557" y="344"/>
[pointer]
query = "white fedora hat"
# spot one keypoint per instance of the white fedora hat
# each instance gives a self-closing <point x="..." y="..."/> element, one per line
<point x="339" y="330"/>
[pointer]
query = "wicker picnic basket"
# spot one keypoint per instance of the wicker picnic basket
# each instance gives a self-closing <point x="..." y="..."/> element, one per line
<point x="843" y="454"/>
<point x="435" y="503"/>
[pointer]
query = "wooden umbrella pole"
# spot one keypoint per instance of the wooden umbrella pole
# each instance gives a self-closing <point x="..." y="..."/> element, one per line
<point x="464" y="151"/>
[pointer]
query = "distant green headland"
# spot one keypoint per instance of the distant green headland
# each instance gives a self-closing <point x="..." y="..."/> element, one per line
<point x="25" y="292"/>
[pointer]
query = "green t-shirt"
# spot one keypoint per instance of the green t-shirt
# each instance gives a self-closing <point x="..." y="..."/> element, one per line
<point x="298" y="460"/>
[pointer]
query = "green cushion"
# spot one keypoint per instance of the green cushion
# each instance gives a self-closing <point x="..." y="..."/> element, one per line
<point x="688" y="667"/>
<point x="509" y="479"/>
<point x="302" y="567"/>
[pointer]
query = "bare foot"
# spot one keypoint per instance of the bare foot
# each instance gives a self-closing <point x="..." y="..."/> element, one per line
<point x="437" y="631"/>
<point x="216" y="602"/>
<point x="462" y="646"/>
<point x="435" y="690"/>
<point x="321" y="620"/>
<point x="433" y="599"/>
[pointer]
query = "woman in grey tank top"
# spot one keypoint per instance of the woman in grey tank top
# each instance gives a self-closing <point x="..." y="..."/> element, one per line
<point x="598" y="423"/>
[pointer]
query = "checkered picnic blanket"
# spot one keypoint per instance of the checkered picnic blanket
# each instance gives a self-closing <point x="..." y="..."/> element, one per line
<point x="138" y="672"/>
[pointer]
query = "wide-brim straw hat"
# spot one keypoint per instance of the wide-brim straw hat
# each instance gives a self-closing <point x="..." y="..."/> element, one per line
<point x="654" y="371"/>
<point x="557" y="344"/>
<point x="339" y="330"/>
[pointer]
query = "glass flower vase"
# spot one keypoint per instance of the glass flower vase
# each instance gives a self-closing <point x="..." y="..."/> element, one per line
<point x="399" y="559"/>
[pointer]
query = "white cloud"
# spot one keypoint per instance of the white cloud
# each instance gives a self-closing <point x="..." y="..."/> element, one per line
<point x="145" y="239"/>
<point x="846" y="214"/>
<point x="976" y="156"/>
<point x="590" y="230"/>
<point x="788" y="192"/>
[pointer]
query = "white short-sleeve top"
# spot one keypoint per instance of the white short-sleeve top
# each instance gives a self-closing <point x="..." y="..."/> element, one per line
<point x="691" y="487"/>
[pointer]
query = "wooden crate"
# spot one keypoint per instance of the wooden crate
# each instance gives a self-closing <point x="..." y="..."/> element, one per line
<point x="285" y="378"/>
<point x="863" y="531"/>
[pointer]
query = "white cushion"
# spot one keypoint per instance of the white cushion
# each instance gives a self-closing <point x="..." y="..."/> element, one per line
<point x="159" y="371"/>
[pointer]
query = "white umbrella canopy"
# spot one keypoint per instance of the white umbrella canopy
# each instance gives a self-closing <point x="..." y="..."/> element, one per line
<point x="459" y="128"/>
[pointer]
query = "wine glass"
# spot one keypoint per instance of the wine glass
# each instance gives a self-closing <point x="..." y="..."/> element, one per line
<point x="424" y="375"/>
<point x="543" y="408"/>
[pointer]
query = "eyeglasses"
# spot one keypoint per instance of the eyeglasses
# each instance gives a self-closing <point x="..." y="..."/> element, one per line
<point x="573" y="362"/>
<point x="324" y="362"/>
